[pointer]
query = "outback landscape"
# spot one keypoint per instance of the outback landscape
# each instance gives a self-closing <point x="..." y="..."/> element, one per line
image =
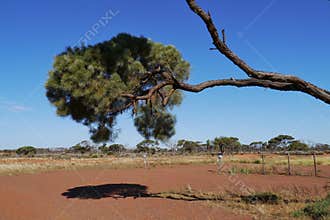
<point x="126" y="185"/>
<point x="169" y="110"/>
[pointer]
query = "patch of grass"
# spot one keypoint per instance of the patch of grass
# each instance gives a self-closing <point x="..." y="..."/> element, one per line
<point x="296" y="160"/>
<point x="14" y="166"/>
<point x="318" y="210"/>
<point x="263" y="198"/>
<point x="298" y="214"/>
<point x="257" y="162"/>
<point x="189" y="195"/>
<point x="240" y="170"/>
<point x="261" y="205"/>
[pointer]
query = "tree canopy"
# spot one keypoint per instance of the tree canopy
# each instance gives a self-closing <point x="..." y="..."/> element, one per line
<point x="224" y="144"/>
<point x="189" y="146"/>
<point x="26" y="151"/>
<point x="89" y="84"/>
<point x="298" y="146"/>
<point x="281" y="141"/>
<point x="147" y="146"/>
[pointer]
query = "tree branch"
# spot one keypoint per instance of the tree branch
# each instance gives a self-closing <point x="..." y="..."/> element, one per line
<point x="237" y="83"/>
<point x="251" y="82"/>
<point x="297" y="83"/>
<point x="151" y="92"/>
<point x="167" y="98"/>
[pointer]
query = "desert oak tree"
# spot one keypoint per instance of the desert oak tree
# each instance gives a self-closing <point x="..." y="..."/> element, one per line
<point x="89" y="84"/>
<point x="95" y="84"/>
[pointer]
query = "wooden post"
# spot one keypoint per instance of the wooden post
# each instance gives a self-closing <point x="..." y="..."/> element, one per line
<point x="263" y="163"/>
<point x="315" y="165"/>
<point x="289" y="164"/>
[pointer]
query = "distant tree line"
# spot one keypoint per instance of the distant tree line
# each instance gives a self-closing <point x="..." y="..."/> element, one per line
<point x="228" y="145"/>
<point x="233" y="145"/>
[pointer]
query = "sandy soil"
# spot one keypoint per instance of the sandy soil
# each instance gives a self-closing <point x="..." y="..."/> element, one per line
<point x="111" y="194"/>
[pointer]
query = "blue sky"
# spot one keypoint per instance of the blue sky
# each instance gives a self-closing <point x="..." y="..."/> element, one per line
<point x="286" y="36"/>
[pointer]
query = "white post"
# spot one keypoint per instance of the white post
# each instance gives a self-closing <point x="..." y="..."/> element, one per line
<point x="219" y="162"/>
<point x="145" y="160"/>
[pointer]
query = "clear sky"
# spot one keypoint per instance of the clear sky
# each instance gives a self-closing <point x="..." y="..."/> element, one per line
<point x="277" y="35"/>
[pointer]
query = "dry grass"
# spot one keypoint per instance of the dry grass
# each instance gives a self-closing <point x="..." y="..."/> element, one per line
<point x="272" y="159"/>
<point x="14" y="166"/>
<point x="288" y="201"/>
<point x="243" y="164"/>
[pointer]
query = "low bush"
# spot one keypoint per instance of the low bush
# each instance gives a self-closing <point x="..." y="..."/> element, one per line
<point x="26" y="151"/>
<point x="257" y="162"/>
<point x="318" y="210"/>
<point x="264" y="198"/>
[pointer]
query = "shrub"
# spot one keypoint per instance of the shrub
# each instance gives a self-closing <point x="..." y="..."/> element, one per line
<point x="298" y="146"/>
<point x="264" y="198"/>
<point x="104" y="149"/>
<point x="319" y="210"/>
<point x="94" y="156"/>
<point x="257" y="162"/>
<point x="82" y="148"/>
<point x="116" y="148"/>
<point x="26" y="151"/>
<point x="237" y="170"/>
<point x="112" y="149"/>
<point x="147" y="146"/>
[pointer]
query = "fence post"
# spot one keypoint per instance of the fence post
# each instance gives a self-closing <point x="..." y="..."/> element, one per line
<point x="263" y="163"/>
<point x="315" y="165"/>
<point x="289" y="164"/>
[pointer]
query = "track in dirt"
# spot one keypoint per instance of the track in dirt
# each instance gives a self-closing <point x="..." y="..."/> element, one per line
<point x="123" y="193"/>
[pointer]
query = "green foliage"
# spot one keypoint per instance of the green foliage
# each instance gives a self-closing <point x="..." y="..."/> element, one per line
<point x="147" y="146"/>
<point x="87" y="84"/>
<point x="264" y="198"/>
<point x="189" y="146"/>
<point x="318" y="210"/>
<point x="208" y="145"/>
<point x="94" y="156"/>
<point x="104" y="149"/>
<point x="229" y="144"/>
<point x="298" y="146"/>
<point x="236" y="170"/>
<point x="322" y="147"/>
<point x="155" y="122"/>
<point x="257" y="145"/>
<point x="26" y="151"/>
<point x="82" y="148"/>
<point x="281" y="141"/>
<point x="114" y="148"/>
<point x="257" y="162"/>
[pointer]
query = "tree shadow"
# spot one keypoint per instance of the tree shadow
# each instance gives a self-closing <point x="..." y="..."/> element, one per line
<point x="122" y="191"/>
<point x="108" y="190"/>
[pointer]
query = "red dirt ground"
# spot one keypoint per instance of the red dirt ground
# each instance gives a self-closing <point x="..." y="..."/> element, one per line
<point x="48" y="195"/>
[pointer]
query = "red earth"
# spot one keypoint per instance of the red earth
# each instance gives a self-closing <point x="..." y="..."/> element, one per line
<point x="123" y="193"/>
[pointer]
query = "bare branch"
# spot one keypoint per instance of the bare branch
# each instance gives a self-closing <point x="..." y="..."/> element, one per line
<point x="167" y="98"/>
<point x="212" y="83"/>
<point x="297" y="83"/>
<point x="223" y="36"/>
<point x="237" y="83"/>
<point x="134" y="103"/>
